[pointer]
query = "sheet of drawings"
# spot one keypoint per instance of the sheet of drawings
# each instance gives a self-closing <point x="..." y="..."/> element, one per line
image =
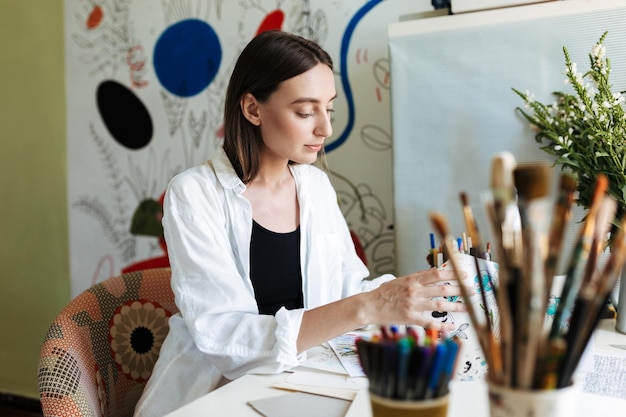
<point x="339" y="356"/>
<point x="608" y="377"/>
<point x="471" y="364"/>
<point x="324" y="359"/>
<point x="345" y="348"/>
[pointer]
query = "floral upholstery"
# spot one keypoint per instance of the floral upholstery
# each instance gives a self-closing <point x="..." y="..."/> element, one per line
<point x="100" y="350"/>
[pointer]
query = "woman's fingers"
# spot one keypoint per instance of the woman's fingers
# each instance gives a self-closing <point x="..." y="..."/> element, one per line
<point x="433" y="276"/>
<point x="434" y="324"/>
<point x="404" y="300"/>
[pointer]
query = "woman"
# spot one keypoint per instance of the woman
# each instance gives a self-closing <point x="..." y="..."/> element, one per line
<point x="263" y="266"/>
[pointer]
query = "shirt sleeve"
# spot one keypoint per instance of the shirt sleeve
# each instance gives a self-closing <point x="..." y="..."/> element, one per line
<point x="354" y="272"/>
<point x="215" y="299"/>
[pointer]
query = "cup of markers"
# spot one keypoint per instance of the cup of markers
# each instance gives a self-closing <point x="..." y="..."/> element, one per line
<point x="408" y="371"/>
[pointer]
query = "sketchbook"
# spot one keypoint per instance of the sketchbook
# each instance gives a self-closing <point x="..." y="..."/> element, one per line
<point x="301" y="404"/>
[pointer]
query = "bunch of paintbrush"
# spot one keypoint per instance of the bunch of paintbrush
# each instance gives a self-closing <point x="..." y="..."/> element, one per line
<point x="408" y="366"/>
<point x="529" y="227"/>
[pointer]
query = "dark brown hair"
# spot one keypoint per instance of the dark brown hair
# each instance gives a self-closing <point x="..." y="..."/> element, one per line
<point x="269" y="59"/>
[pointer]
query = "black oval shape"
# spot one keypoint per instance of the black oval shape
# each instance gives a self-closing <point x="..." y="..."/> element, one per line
<point x="125" y="116"/>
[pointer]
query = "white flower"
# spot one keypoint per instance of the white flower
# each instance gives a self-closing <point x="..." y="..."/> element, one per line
<point x="594" y="107"/>
<point x="598" y="51"/>
<point x="562" y="143"/>
<point x="591" y="89"/>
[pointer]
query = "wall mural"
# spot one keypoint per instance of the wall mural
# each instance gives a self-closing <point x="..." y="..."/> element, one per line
<point x="145" y="87"/>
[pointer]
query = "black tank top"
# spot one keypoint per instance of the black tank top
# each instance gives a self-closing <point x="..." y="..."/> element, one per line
<point x="275" y="269"/>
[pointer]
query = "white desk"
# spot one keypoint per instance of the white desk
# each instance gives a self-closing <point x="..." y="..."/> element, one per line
<point x="467" y="399"/>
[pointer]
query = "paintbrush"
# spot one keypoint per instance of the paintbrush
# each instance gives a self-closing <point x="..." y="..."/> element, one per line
<point x="560" y="218"/>
<point x="470" y="224"/>
<point x="578" y="260"/>
<point x="504" y="348"/>
<point x="551" y="352"/>
<point x="502" y="186"/>
<point x="441" y="226"/>
<point x="503" y="197"/>
<point x="604" y="220"/>
<point x="593" y="297"/>
<point x="533" y="188"/>
<point x="573" y="344"/>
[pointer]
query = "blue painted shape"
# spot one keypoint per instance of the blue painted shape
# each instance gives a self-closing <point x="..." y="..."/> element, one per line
<point x="187" y="57"/>
<point x="343" y="68"/>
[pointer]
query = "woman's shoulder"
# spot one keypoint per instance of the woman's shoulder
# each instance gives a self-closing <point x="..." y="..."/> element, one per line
<point x="314" y="181"/>
<point x="216" y="168"/>
<point x="197" y="175"/>
<point x="311" y="173"/>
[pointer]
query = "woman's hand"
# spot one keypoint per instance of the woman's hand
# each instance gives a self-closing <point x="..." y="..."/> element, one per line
<point x="405" y="299"/>
<point x="400" y="301"/>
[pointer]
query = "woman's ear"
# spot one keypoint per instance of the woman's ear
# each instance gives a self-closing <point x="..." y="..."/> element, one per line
<point x="250" y="109"/>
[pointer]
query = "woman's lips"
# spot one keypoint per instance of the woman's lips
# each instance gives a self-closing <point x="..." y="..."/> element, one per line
<point x="314" y="148"/>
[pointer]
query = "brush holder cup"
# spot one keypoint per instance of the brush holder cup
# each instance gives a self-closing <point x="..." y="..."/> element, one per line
<point x="387" y="407"/>
<point x="513" y="402"/>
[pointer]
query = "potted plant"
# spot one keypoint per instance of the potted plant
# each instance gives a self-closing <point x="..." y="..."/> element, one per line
<point x="585" y="130"/>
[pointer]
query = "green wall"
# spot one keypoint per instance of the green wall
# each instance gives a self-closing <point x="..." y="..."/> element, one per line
<point x="34" y="260"/>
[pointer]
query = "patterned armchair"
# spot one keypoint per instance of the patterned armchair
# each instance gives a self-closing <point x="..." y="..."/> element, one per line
<point x="100" y="350"/>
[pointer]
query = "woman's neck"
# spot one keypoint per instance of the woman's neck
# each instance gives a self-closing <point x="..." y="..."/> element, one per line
<point x="272" y="194"/>
<point x="273" y="173"/>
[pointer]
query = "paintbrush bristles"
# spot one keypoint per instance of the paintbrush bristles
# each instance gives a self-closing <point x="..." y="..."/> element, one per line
<point x="440" y="224"/>
<point x="528" y="355"/>
<point x="464" y="199"/>
<point x="567" y="183"/>
<point x="502" y="166"/>
<point x="470" y="223"/>
<point x="532" y="180"/>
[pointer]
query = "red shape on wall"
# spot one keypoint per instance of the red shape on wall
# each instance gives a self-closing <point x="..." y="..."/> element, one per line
<point x="273" y="21"/>
<point x="95" y="17"/>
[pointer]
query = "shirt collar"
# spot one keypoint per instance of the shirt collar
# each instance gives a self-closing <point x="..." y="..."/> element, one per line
<point x="226" y="173"/>
<point x="228" y="177"/>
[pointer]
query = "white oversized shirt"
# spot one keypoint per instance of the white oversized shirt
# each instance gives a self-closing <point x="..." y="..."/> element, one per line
<point x="219" y="331"/>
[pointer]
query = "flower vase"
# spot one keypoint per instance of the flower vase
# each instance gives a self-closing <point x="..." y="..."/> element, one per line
<point x="620" y="324"/>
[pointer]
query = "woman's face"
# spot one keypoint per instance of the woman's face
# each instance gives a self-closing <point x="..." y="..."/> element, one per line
<point x="295" y="120"/>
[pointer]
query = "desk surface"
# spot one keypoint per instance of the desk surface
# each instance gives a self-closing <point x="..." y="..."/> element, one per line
<point x="467" y="399"/>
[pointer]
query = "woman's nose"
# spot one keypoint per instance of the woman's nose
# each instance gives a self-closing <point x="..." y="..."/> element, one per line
<point x="324" y="126"/>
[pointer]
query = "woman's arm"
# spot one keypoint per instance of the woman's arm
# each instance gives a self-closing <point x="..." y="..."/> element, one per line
<point x="400" y="301"/>
<point x="360" y="302"/>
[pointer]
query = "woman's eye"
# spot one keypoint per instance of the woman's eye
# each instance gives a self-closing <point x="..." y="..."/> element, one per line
<point x="312" y="113"/>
